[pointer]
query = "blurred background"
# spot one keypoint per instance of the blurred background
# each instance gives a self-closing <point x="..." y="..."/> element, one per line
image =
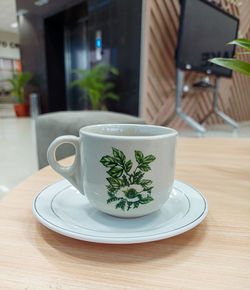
<point x="142" y="58"/>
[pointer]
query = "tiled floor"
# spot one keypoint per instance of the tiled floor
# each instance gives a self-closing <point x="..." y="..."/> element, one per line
<point x="220" y="131"/>
<point x="18" y="158"/>
<point x="17" y="150"/>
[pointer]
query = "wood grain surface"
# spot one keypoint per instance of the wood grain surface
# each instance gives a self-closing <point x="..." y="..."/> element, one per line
<point x="214" y="255"/>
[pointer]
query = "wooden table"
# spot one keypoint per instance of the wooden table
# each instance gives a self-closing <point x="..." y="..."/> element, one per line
<point x="214" y="255"/>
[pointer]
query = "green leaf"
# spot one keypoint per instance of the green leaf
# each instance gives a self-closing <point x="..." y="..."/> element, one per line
<point x="108" y="161"/>
<point x="76" y="83"/>
<point x="121" y="204"/>
<point x="149" y="159"/>
<point x="95" y="82"/>
<point x="115" y="172"/>
<point x="136" y="204"/>
<point x="144" y="167"/>
<point x="82" y="72"/>
<point x="128" y="166"/>
<point x="234" y="64"/>
<point x="148" y="189"/>
<point x="111" y="189"/>
<point x="109" y="86"/>
<point x="18" y="82"/>
<point x="146" y="200"/>
<point x="129" y="204"/>
<point x="115" y="183"/>
<point x="125" y="181"/>
<point x="112" y="199"/>
<point x="24" y="78"/>
<point x="241" y="53"/>
<point x="139" y="156"/>
<point x="114" y="70"/>
<point x="145" y="182"/>
<point x="112" y="96"/>
<point x="119" y="156"/>
<point x="137" y="177"/>
<point x="94" y="97"/>
<point x="110" y="193"/>
<point x="242" y="42"/>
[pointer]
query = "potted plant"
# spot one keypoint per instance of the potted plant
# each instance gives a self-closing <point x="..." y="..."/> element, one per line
<point x="236" y="64"/>
<point x="96" y="85"/>
<point x="18" y="82"/>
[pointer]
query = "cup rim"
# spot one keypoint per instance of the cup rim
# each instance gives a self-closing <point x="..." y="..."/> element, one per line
<point x="169" y="132"/>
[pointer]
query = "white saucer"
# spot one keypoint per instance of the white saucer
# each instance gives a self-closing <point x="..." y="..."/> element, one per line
<point x="61" y="208"/>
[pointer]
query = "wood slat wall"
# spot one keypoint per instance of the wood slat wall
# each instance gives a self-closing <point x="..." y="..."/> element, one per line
<point x="161" y="23"/>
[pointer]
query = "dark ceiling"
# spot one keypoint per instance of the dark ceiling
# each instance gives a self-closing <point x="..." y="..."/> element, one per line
<point x="48" y="9"/>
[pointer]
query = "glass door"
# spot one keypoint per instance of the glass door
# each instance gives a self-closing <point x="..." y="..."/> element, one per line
<point x="76" y="57"/>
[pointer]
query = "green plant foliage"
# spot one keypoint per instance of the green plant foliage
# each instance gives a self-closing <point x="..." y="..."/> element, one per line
<point x="18" y="82"/>
<point x="96" y="86"/>
<point x="123" y="183"/>
<point x="235" y="64"/>
<point x="242" y="42"/>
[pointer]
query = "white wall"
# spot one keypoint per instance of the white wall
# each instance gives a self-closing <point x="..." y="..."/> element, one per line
<point x="7" y="45"/>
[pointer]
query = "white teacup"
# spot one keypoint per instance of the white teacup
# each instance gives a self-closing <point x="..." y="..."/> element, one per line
<point x="123" y="170"/>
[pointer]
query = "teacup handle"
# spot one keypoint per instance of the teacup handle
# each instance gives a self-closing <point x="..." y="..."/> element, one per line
<point x="73" y="173"/>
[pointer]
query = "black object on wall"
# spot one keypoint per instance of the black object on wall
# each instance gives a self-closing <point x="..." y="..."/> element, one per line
<point x="64" y="45"/>
<point x="199" y="40"/>
<point x="60" y="31"/>
<point x="54" y="43"/>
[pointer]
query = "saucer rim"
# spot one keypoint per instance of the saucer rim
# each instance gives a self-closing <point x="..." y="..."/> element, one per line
<point x="117" y="240"/>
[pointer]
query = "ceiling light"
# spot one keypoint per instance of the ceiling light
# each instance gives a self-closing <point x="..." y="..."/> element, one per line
<point x="41" y="2"/>
<point x="22" y="12"/>
<point x="14" y="25"/>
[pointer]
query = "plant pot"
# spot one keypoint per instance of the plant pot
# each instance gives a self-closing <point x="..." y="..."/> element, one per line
<point x="22" y="110"/>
